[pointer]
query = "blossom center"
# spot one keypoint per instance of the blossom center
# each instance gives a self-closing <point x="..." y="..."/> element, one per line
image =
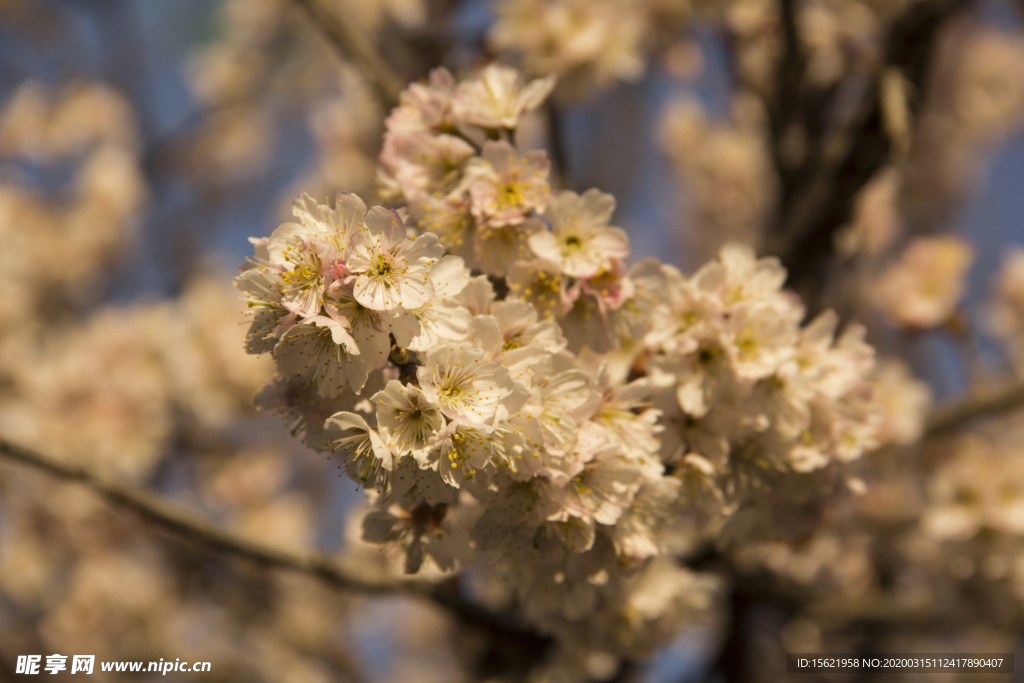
<point x="450" y="393"/>
<point x="511" y="196"/>
<point x="383" y="267"/>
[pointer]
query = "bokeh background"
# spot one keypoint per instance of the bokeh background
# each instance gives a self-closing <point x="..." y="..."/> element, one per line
<point x="142" y="142"/>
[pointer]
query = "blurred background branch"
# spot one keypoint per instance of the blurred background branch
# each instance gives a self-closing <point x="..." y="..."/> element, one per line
<point x="822" y="172"/>
<point x="353" y="44"/>
<point x="504" y="635"/>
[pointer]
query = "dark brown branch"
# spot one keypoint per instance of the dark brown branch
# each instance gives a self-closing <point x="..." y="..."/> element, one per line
<point x="817" y="199"/>
<point x="991" y="403"/>
<point x="559" y="151"/>
<point x="190" y="525"/>
<point x="355" y="46"/>
<point x="787" y="115"/>
<point x="502" y="631"/>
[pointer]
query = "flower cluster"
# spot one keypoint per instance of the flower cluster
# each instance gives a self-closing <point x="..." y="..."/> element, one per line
<point x="509" y="391"/>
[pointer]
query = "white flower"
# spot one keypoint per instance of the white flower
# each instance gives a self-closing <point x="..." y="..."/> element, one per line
<point x="904" y="403"/>
<point x="305" y="255"/>
<point x="443" y="319"/>
<point x="576" y="422"/>
<point x="409" y="422"/>
<point x="485" y="334"/>
<point x="759" y="339"/>
<point x="626" y="415"/>
<point x="1006" y="310"/>
<point x="561" y="397"/>
<point x="738" y="276"/>
<point x="270" y="318"/>
<point x="317" y="223"/>
<point x="369" y="328"/>
<point x="596" y="490"/>
<point x="391" y="270"/>
<point x="499" y="97"/>
<point x="417" y="482"/>
<point x="367" y="457"/>
<point x="478" y="296"/>
<point x="310" y="352"/>
<point x="690" y="313"/>
<point x="541" y="284"/>
<point x="424" y="530"/>
<point x="497" y="249"/>
<point x="421" y="164"/>
<point x="512" y="336"/>
<point x="643" y="316"/>
<point x="449" y="218"/>
<point x="640" y="531"/>
<point x="604" y="488"/>
<point x="505" y="185"/>
<point x="424" y="106"/>
<point x="520" y="327"/>
<point x="464" y="451"/>
<point x="308" y="265"/>
<point x="580" y="240"/>
<point x="700" y="378"/>
<point x="457" y="379"/>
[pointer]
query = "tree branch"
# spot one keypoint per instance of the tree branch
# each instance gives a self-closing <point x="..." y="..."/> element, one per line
<point x="182" y="523"/>
<point x="559" y="150"/>
<point x="954" y="416"/>
<point x="817" y="198"/>
<point x="786" y="107"/>
<point x="502" y="630"/>
<point x="354" y="45"/>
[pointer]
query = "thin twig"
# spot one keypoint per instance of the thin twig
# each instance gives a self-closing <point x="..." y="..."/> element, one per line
<point x="189" y="525"/>
<point x="559" y="151"/>
<point x="354" y="45"/>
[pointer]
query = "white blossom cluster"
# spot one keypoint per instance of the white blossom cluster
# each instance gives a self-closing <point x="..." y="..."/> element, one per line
<point x="508" y="391"/>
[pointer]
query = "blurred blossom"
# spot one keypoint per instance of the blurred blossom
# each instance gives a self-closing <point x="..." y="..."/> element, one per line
<point x="89" y="129"/>
<point x="345" y="126"/>
<point x="924" y="287"/>
<point x="979" y="487"/>
<point x="840" y="38"/>
<point x="725" y="171"/>
<point x="375" y="15"/>
<point x="587" y="44"/>
<point x="905" y="402"/>
<point x="234" y="143"/>
<point x="46" y="125"/>
<point x="104" y="393"/>
<point x="987" y="85"/>
<point x="977" y="100"/>
<point x="876" y="221"/>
